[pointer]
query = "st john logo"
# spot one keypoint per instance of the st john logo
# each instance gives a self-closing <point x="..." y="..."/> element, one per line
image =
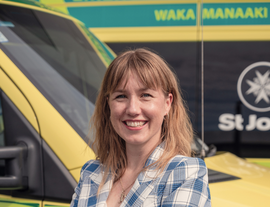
<point x="253" y="86"/>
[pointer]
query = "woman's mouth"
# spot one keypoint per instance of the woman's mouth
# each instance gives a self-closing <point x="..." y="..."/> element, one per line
<point x="135" y="123"/>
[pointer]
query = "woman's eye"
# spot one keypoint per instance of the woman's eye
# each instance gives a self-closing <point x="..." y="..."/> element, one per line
<point x="120" y="96"/>
<point x="146" y="95"/>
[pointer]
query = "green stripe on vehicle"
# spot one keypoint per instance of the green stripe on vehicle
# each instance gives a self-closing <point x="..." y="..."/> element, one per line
<point x="236" y="14"/>
<point x="107" y="56"/>
<point x="5" y="203"/>
<point x="136" y="15"/>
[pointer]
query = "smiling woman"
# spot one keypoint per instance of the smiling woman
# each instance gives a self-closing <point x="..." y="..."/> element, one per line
<point x="142" y="140"/>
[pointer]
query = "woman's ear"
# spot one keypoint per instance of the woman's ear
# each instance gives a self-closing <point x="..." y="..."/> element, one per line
<point x="168" y="103"/>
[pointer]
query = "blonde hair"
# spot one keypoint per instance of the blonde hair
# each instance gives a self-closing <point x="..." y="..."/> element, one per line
<point x="154" y="72"/>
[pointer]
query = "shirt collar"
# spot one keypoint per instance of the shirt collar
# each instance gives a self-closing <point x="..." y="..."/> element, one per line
<point x="143" y="176"/>
<point x="151" y="172"/>
<point x="155" y="155"/>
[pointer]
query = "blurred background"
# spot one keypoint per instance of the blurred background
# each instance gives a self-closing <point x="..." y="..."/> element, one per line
<point x="235" y="36"/>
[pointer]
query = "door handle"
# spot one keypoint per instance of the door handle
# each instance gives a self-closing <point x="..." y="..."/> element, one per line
<point x="14" y="157"/>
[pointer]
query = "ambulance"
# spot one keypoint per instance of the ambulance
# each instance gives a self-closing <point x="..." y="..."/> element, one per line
<point x="51" y="68"/>
<point x="232" y="37"/>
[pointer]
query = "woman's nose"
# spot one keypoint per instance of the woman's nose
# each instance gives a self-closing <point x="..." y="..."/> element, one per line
<point x="133" y="107"/>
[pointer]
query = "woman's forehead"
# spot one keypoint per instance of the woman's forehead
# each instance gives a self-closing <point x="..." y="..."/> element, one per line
<point x="135" y="79"/>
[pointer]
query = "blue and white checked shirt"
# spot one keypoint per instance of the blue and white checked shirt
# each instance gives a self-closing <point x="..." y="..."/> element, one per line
<point x="184" y="182"/>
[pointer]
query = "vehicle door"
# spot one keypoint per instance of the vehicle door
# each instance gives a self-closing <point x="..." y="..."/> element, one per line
<point x="20" y="151"/>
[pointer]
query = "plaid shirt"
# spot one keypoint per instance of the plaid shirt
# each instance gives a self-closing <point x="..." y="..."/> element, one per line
<point x="184" y="182"/>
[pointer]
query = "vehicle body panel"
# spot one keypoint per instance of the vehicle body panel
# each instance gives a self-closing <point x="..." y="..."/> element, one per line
<point x="67" y="138"/>
<point x="252" y="189"/>
<point x="57" y="141"/>
<point x="8" y="201"/>
<point x="263" y="161"/>
<point x="158" y="22"/>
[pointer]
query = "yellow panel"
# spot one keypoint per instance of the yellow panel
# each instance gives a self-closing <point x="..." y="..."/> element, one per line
<point x="16" y="97"/>
<point x="170" y="34"/>
<point x="233" y="165"/>
<point x="114" y="3"/>
<point x="81" y="3"/>
<point x="54" y="204"/>
<point x="232" y="1"/>
<point x="252" y="189"/>
<point x="76" y="173"/>
<point x="238" y="193"/>
<point x="54" y="129"/>
<point x="236" y="33"/>
<point x="146" y="34"/>
<point x="61" y="8"/>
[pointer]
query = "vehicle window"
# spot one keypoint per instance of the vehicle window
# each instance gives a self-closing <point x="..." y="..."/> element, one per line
<point x="57" y="58"/>
<point x="2" y="140"/>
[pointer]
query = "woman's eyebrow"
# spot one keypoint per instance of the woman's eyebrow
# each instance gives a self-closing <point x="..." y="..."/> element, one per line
<point x="119" y="91"/>
<point x="140" y="90"/>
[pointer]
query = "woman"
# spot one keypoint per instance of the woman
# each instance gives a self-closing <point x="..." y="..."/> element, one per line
<point x="143" y="137"/>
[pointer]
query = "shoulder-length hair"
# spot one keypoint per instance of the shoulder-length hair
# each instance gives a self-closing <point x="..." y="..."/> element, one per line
<point x="154" y="73"/>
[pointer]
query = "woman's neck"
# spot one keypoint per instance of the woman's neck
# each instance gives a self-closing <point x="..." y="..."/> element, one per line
<point x="137" y="156"/>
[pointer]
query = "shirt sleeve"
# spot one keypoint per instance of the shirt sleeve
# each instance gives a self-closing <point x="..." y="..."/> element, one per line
<point x="188" y="184"/>
<point x="77" y="191"/>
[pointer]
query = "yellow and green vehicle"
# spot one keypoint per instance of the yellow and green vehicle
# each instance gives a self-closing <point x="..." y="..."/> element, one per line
<point x="236" y="55"/>
<point x="51" y="67"/>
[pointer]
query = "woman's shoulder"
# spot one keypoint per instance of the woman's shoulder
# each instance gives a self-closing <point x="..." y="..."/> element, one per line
<point x="189" y="160"/>
<point x="182" y="168"/>
<point x="90" y="167"/>
<point x="180" y="162"/>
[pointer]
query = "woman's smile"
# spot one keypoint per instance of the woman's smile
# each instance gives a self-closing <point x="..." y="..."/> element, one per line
<point x="135" y="123"/>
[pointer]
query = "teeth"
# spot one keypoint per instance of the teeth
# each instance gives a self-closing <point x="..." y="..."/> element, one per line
<point x="135" y="124"/>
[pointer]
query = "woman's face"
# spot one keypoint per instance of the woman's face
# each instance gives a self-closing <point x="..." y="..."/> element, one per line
<point x="137" y="112"/>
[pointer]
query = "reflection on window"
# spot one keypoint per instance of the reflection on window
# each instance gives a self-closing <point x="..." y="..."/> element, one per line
<point x="2" y="141"/>
<point x="57" y="59"/>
